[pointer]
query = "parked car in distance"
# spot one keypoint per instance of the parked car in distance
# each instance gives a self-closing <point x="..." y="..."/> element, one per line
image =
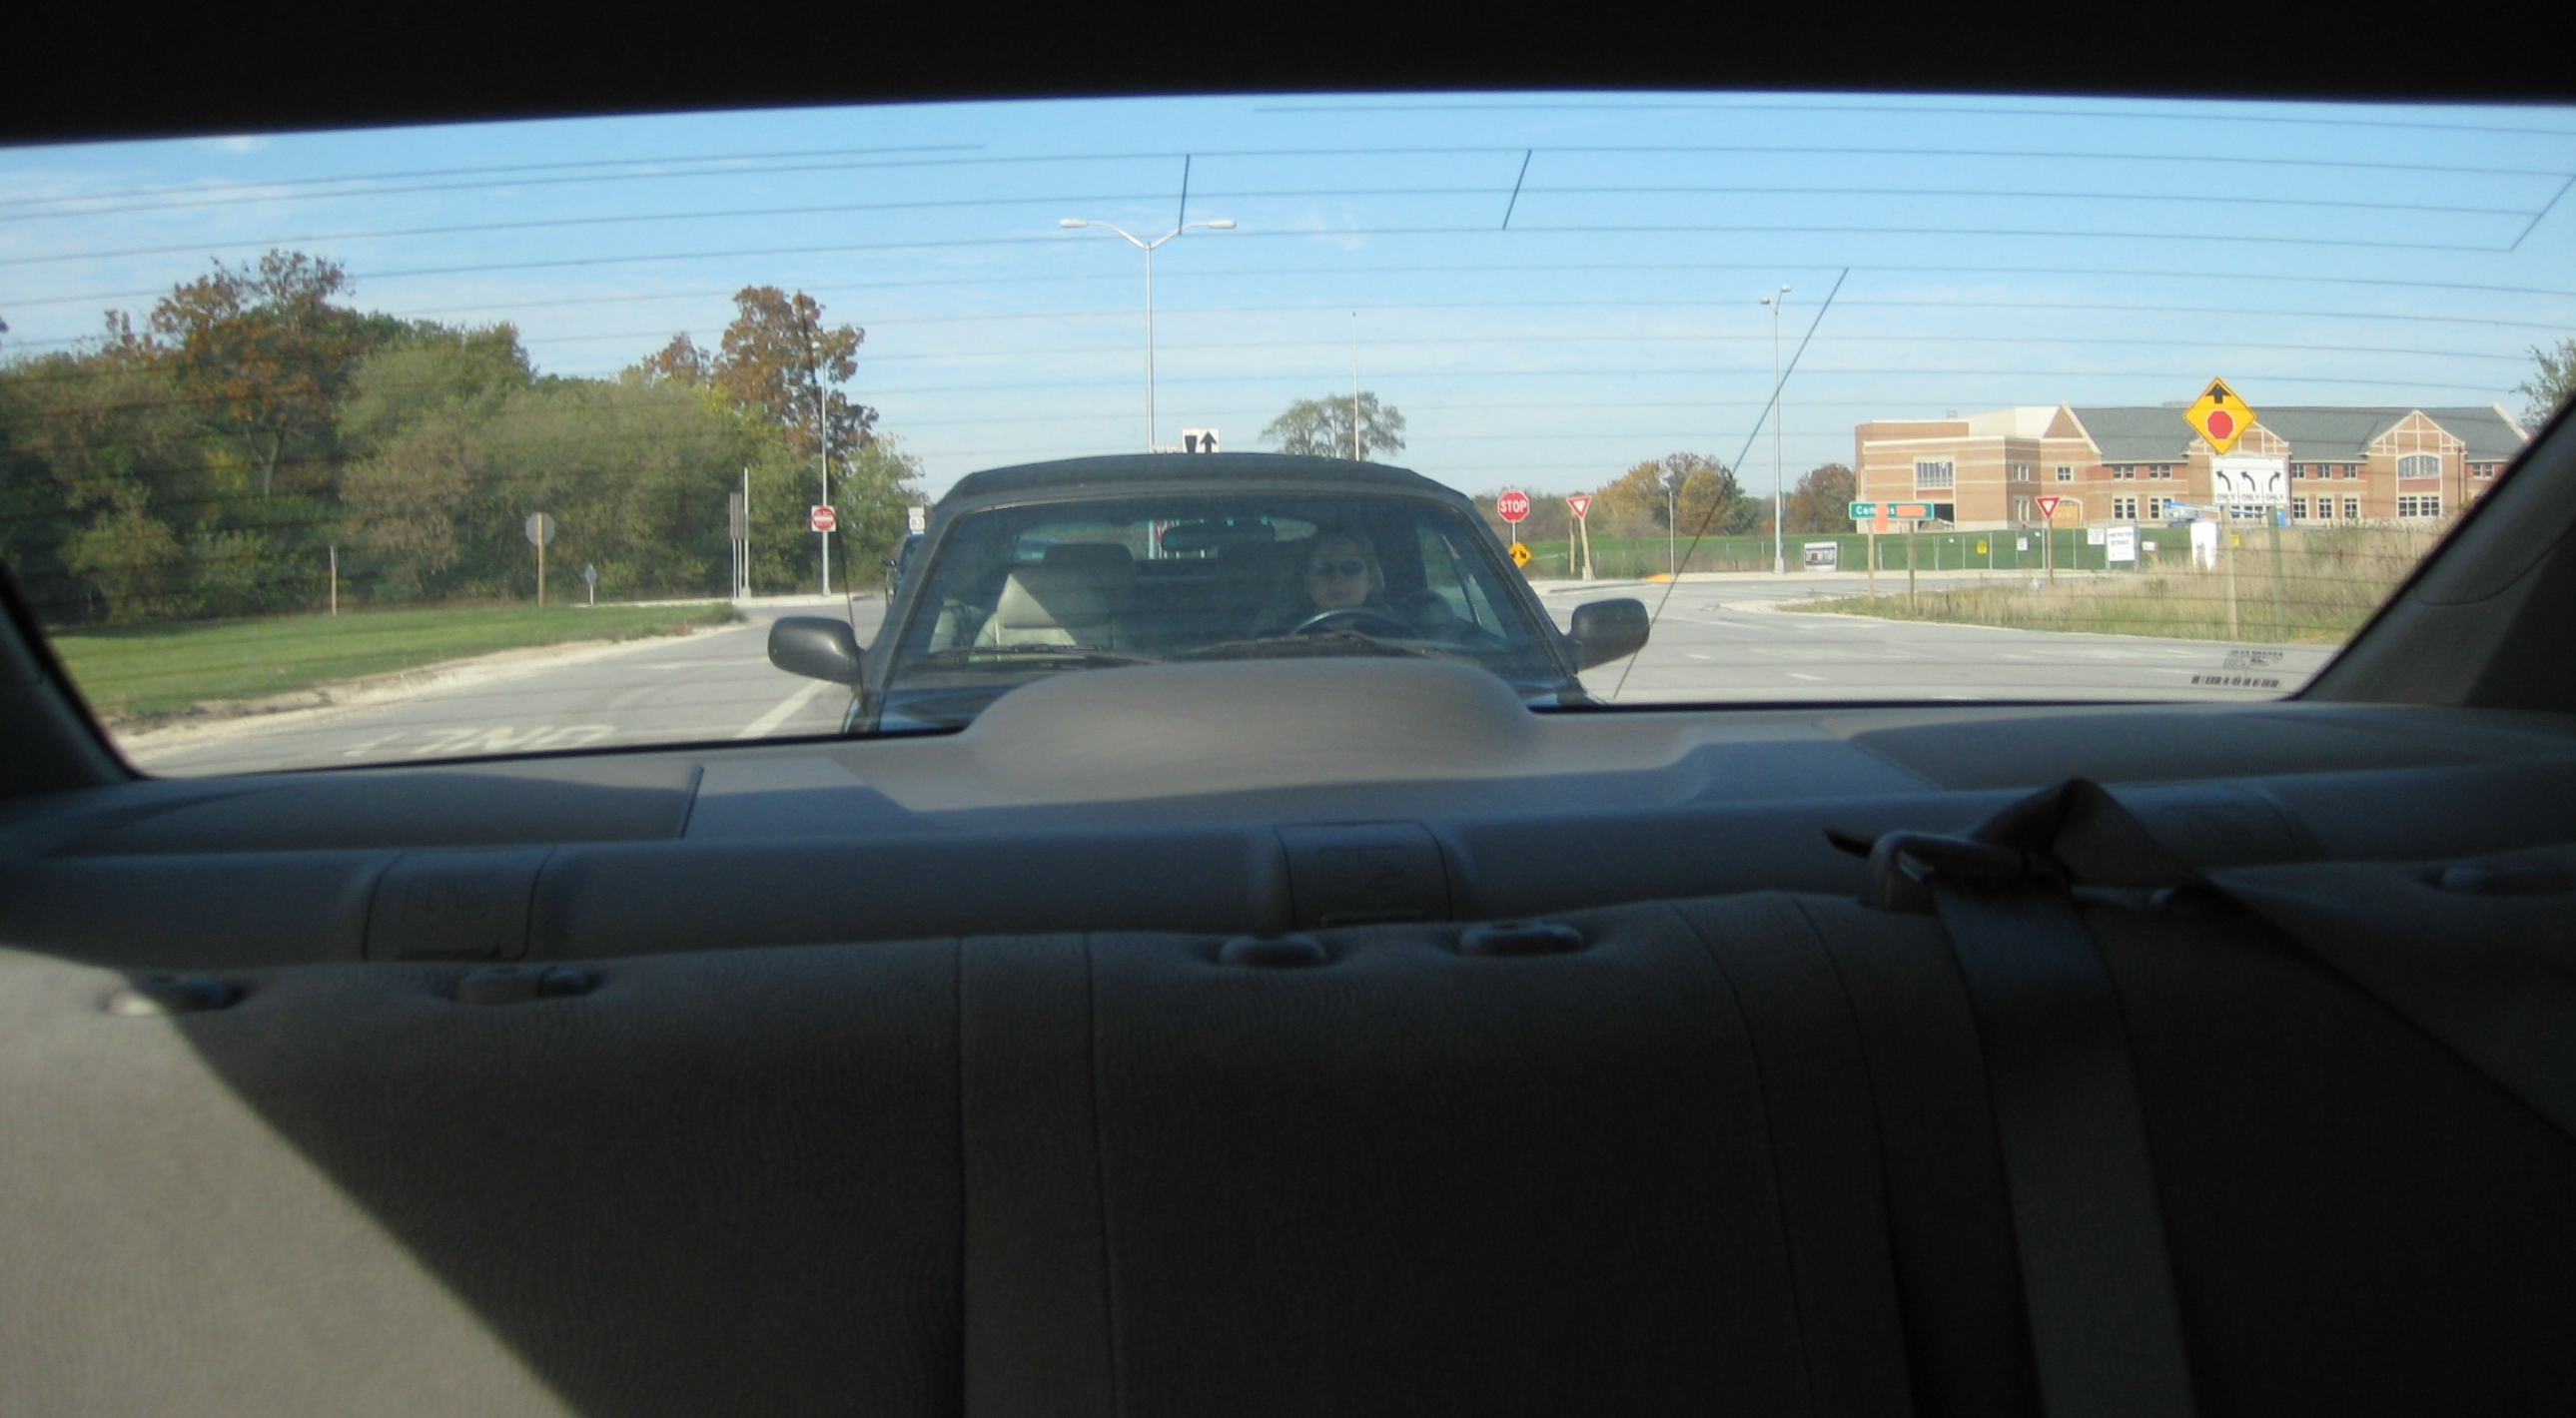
<point x="1097" y="563"/>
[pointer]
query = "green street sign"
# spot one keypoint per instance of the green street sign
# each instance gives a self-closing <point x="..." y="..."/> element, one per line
<point x="1864" y="511"/>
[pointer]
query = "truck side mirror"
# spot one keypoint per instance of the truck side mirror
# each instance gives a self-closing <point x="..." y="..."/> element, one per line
<point x="1605" y="630"/>
<point x="816" y="647"/>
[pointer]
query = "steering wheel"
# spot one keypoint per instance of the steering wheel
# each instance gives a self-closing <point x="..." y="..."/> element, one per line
<point x="1366" y="620"/>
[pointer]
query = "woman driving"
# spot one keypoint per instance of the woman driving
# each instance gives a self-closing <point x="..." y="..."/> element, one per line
<point x="1342" y="572"/>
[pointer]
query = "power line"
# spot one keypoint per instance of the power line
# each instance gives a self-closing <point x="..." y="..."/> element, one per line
<point x="1257" y="194"/>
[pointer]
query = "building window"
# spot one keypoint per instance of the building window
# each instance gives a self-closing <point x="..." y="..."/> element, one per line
<point x="2065" y="473"/>
<point x="2482" y="470"/>
<point x="2428" y="506"/>
<point x="2419" y="465"/>
<point x="2124" y="509"/>
<point x="2298" y="509"/>
<point x="2021" y="473"/>
<point x="2347" y="470"/>
<point x="2124" y="474"/>
<point x="2155" y="509"/>
<point x="1932" y="474"/>
<point x="2161" y="470"/>
<point x="2352" y="509"/>
<point x="2298" y="470"/>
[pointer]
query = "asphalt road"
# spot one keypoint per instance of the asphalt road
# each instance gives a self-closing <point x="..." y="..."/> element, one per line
<point x="1721" y="638"/>
<point x="1718" y="639"/>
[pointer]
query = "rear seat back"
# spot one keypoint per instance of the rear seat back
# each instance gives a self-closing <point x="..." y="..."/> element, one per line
<point x="1731" y="1154"/>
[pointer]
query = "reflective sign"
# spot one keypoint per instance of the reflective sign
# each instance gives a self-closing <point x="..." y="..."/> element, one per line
<point x="2221" y="417"/>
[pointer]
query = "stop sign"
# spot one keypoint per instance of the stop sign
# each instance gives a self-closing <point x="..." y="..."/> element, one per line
<point x="825" y="519"/>
<point x="1512" y="506"/>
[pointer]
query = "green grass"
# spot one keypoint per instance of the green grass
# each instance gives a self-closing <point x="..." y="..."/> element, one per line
<point x="149" y="671"/>
<point x="2317" y="589"/>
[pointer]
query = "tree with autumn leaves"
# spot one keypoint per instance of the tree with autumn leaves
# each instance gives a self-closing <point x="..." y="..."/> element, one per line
<point x="210" y="461"/>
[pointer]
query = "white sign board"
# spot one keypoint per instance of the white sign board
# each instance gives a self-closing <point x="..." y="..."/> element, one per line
<point x="2204" y="545"/>
<point x="916" y="520"/>
<point x="2241" y="481"/>
<point x="1198" y="440"/>
<point x="1824" y="556"/>
<point x="2120" y="544"/>
<point x="2092" y="536"/>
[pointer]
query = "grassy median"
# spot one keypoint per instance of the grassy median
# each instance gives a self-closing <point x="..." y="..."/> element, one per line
<point x="147" y="672"/>
<point x="2311" y="588"/>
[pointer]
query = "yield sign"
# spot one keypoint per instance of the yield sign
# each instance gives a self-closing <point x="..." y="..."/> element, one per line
<point x="1581" y="502"/>
<point x="2047" y="506"/>
<point x="2221" y="417"/>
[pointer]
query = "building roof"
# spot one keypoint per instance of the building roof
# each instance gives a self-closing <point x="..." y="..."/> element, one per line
<point x="2315" y="433"/>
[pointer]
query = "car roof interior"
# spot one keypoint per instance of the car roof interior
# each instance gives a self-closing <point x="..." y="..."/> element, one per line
<point x="1150" y="1046"/>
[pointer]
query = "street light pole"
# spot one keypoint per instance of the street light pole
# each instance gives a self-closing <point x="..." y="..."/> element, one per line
<point x="1779" y="503"/>
<point x="1221" y="224"/>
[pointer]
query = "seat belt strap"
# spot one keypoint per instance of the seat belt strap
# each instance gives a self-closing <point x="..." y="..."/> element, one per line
<point x="2106" y="1333"/>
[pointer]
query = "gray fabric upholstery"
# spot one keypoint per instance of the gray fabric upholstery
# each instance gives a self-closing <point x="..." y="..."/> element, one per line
<point x="1733" y="1156"/>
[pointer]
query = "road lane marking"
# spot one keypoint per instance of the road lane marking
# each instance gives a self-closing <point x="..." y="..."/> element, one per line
<point x="775" y="717"/>
<point x="1793" y="674"/>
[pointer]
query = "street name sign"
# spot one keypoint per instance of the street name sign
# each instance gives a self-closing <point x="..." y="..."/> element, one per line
<point x="1512" y="506"/>
<point x="1910" y="511"/>
<point x="824" y="519"/>
<point x="2220" y="416"/>
<point x="1864" y="511"/>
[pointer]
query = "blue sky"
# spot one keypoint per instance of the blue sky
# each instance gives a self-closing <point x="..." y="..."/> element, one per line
<point x="1989" y="251"/>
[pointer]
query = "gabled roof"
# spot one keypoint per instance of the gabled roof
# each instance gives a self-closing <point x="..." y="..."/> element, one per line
<point x="2315" y="433"/>
<point x="2134" y="435"/>
<point x="2492" y="435"/>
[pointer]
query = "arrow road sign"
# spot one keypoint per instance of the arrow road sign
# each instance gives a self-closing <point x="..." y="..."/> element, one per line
<point x="2221" y="417"/>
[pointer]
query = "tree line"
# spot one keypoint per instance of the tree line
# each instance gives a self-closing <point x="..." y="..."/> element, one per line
<point x="1688" y="494"/>
<point x="212" y="459"/>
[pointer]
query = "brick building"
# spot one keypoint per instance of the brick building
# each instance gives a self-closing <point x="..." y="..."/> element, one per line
<point x="2134" y="464"/>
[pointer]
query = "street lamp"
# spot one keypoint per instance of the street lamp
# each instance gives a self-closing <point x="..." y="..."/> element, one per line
<point x="1221" y="224"/>
<point x="1779" y="505"/>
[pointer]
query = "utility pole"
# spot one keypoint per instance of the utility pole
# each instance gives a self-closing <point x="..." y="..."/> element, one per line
<point x="823" y="445"/>
<point x="1779" y="503"/>
<point x="1355" y="387"/>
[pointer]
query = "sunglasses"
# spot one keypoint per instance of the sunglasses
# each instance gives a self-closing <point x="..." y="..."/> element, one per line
<point x="1351" y="567"/>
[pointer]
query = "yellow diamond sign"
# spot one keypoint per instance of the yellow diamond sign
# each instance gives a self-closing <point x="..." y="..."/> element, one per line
<point x="2221" y="417"/>
<point x="1520" y="555"/>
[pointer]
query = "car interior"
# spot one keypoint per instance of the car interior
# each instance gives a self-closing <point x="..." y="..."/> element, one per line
<point x="1157" y="1044"/>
